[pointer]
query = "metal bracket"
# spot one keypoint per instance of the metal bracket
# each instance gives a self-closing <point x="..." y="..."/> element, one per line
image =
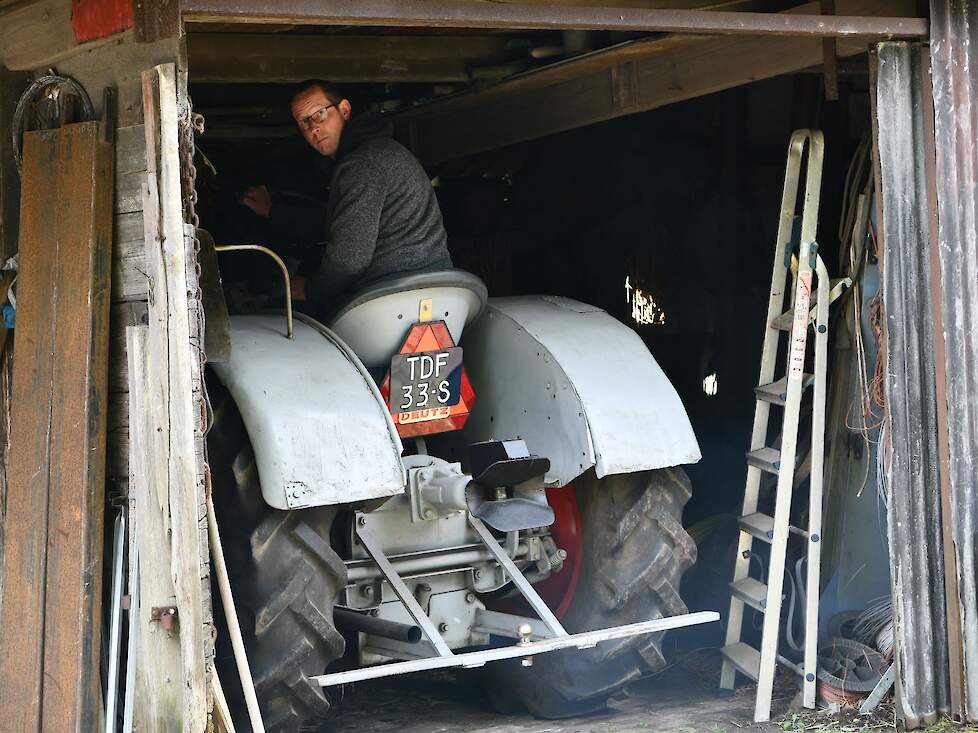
<point x="166" y="615"/>
<point x="521" y="583"/>
<point x="372" y="546"/>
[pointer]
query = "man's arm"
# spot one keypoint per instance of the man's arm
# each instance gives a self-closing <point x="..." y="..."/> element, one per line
<point x="356" y="202"/>
<point x="293" y="224"/>
<point x="301" y="225"/>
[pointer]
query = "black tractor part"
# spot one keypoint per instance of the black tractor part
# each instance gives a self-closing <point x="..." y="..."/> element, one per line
<point x="634" y="552"/>
<point x="284" y="575"/>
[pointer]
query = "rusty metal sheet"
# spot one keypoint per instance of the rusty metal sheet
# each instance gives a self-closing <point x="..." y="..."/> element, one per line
<point x="913" y="487"/>
<point x="954" y="60"/>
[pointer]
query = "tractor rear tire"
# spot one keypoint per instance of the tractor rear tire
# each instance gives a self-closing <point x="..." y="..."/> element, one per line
<point x="284" y="575"/>
<point x="634" y="553"/>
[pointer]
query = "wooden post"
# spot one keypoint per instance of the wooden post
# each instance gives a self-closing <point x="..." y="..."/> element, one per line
<point x="159" y="684"/>
<point x="50" y="628"/>
<point x="170" y="468"/>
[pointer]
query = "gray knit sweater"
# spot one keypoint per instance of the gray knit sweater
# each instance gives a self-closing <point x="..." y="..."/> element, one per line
<point x="382" y="219"/>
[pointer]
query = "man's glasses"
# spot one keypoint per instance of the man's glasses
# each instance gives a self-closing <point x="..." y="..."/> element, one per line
<point x="316" y="118"/>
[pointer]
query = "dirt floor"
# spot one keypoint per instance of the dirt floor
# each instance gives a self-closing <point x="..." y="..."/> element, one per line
<point x="682" y="700"/>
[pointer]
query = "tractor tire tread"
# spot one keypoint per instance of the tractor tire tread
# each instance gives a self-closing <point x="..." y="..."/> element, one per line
<point x="285" y="582"/>
<point x="637" y="516"/>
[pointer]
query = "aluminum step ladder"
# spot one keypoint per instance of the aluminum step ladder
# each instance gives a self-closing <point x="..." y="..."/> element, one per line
<point x="786" y="393"/>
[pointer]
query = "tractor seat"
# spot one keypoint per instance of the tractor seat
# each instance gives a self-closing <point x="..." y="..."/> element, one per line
<point x="376" y="320"/>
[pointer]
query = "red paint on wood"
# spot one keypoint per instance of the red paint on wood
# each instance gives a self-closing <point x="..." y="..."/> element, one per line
<point x="93" y="19"/>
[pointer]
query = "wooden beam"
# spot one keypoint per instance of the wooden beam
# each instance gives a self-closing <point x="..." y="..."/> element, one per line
<point x="576" y="68"/>
<point x="647" y="4"/>
<point x="76" y="509"/>
<point x="50" y="630"/>
<point x="174" y="464"/>
<point x="239" y="57"/>
<point x="513" y="16"/>
<point x="156" y="19"/>
<point x="159" y="689"/>
<point x="38" y="34"/>
<point x="622" y="80"/>
<point x="25" y="524"/>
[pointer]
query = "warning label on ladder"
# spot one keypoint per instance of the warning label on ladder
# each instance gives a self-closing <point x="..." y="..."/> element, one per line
<point x="799" y="333"/>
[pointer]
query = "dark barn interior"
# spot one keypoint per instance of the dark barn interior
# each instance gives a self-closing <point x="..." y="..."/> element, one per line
<point x="662" y="489"/>
<point x="665" y="219"/>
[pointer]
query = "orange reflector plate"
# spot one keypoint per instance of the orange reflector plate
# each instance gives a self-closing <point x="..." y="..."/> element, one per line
<point x="426" y="337"/>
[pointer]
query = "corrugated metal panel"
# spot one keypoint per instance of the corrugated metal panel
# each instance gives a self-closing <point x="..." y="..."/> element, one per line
<point x="917" y="567"/>
<point x="954" y="57"/>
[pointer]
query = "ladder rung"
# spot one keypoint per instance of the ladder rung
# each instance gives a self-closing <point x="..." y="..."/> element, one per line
<point x="761" y="526"/>
<point x="767" y="459"/>
<point x="777" y="392"/>
<point x="784" y="321"/>
<point x="751" y="591"/>
<point x="758" y="525"/>
<point x="744" y="657"/>
<point x="836" y="288"/>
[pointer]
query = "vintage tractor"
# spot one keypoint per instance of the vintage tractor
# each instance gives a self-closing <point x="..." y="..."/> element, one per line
<point x="437" y="480"/>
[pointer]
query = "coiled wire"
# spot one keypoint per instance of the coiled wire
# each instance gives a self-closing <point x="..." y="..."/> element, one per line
<point x="51" y="86"/>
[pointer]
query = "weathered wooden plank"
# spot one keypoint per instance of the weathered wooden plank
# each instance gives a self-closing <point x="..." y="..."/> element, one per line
<point x="159" y="688"/>
<point x="39" y="34"/>
<point x="25" y="524"/>
<point x="76" y="506"/>
<point x="619" y="81"/>
<point x="120" y="64"/>
<point x="155" y="20"/>
<point x="129" y="233"/>
<point x="468" y="14"/>
<point x="129" y="278"/>
<point x="129" y="192"/>
<point x="662" y="4"/>
<point x="54" y="523"/>
<point x="239" y="57"/>
<point x="174" y="469"/>
<point x="123" y="315"/>
<point x="130" y="149"/>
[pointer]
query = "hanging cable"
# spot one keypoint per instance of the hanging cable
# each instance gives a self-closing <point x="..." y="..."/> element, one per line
<point x="797" y="591"/>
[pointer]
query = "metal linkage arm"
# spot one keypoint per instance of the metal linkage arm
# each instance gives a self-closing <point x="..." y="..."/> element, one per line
<point x="521" y="583"/>
<point x="372" y="546"/>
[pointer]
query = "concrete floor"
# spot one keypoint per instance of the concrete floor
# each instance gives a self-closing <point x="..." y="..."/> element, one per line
<point x="683" y="700"/>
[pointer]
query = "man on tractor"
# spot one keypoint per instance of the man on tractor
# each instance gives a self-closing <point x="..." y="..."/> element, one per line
<point x="382" y="217"/>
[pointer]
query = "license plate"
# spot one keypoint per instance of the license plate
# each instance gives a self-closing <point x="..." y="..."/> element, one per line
<point x="427" y="383"/>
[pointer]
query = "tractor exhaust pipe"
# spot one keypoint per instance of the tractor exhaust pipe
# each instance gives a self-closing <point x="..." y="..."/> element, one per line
<point x="347" y="620"/>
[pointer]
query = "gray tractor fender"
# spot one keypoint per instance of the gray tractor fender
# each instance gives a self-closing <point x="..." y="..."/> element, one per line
<point x="577" y="385"/>
<point x="318" y="425"/>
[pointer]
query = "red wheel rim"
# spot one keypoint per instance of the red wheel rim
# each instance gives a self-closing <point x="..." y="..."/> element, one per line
<point x="558" y="589"/>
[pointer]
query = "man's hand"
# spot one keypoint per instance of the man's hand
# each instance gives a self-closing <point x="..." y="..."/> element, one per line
<point x="258" y="199"/>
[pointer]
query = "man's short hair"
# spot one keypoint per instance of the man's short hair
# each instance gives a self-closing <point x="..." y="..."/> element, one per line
<point x="328" y="88"/>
